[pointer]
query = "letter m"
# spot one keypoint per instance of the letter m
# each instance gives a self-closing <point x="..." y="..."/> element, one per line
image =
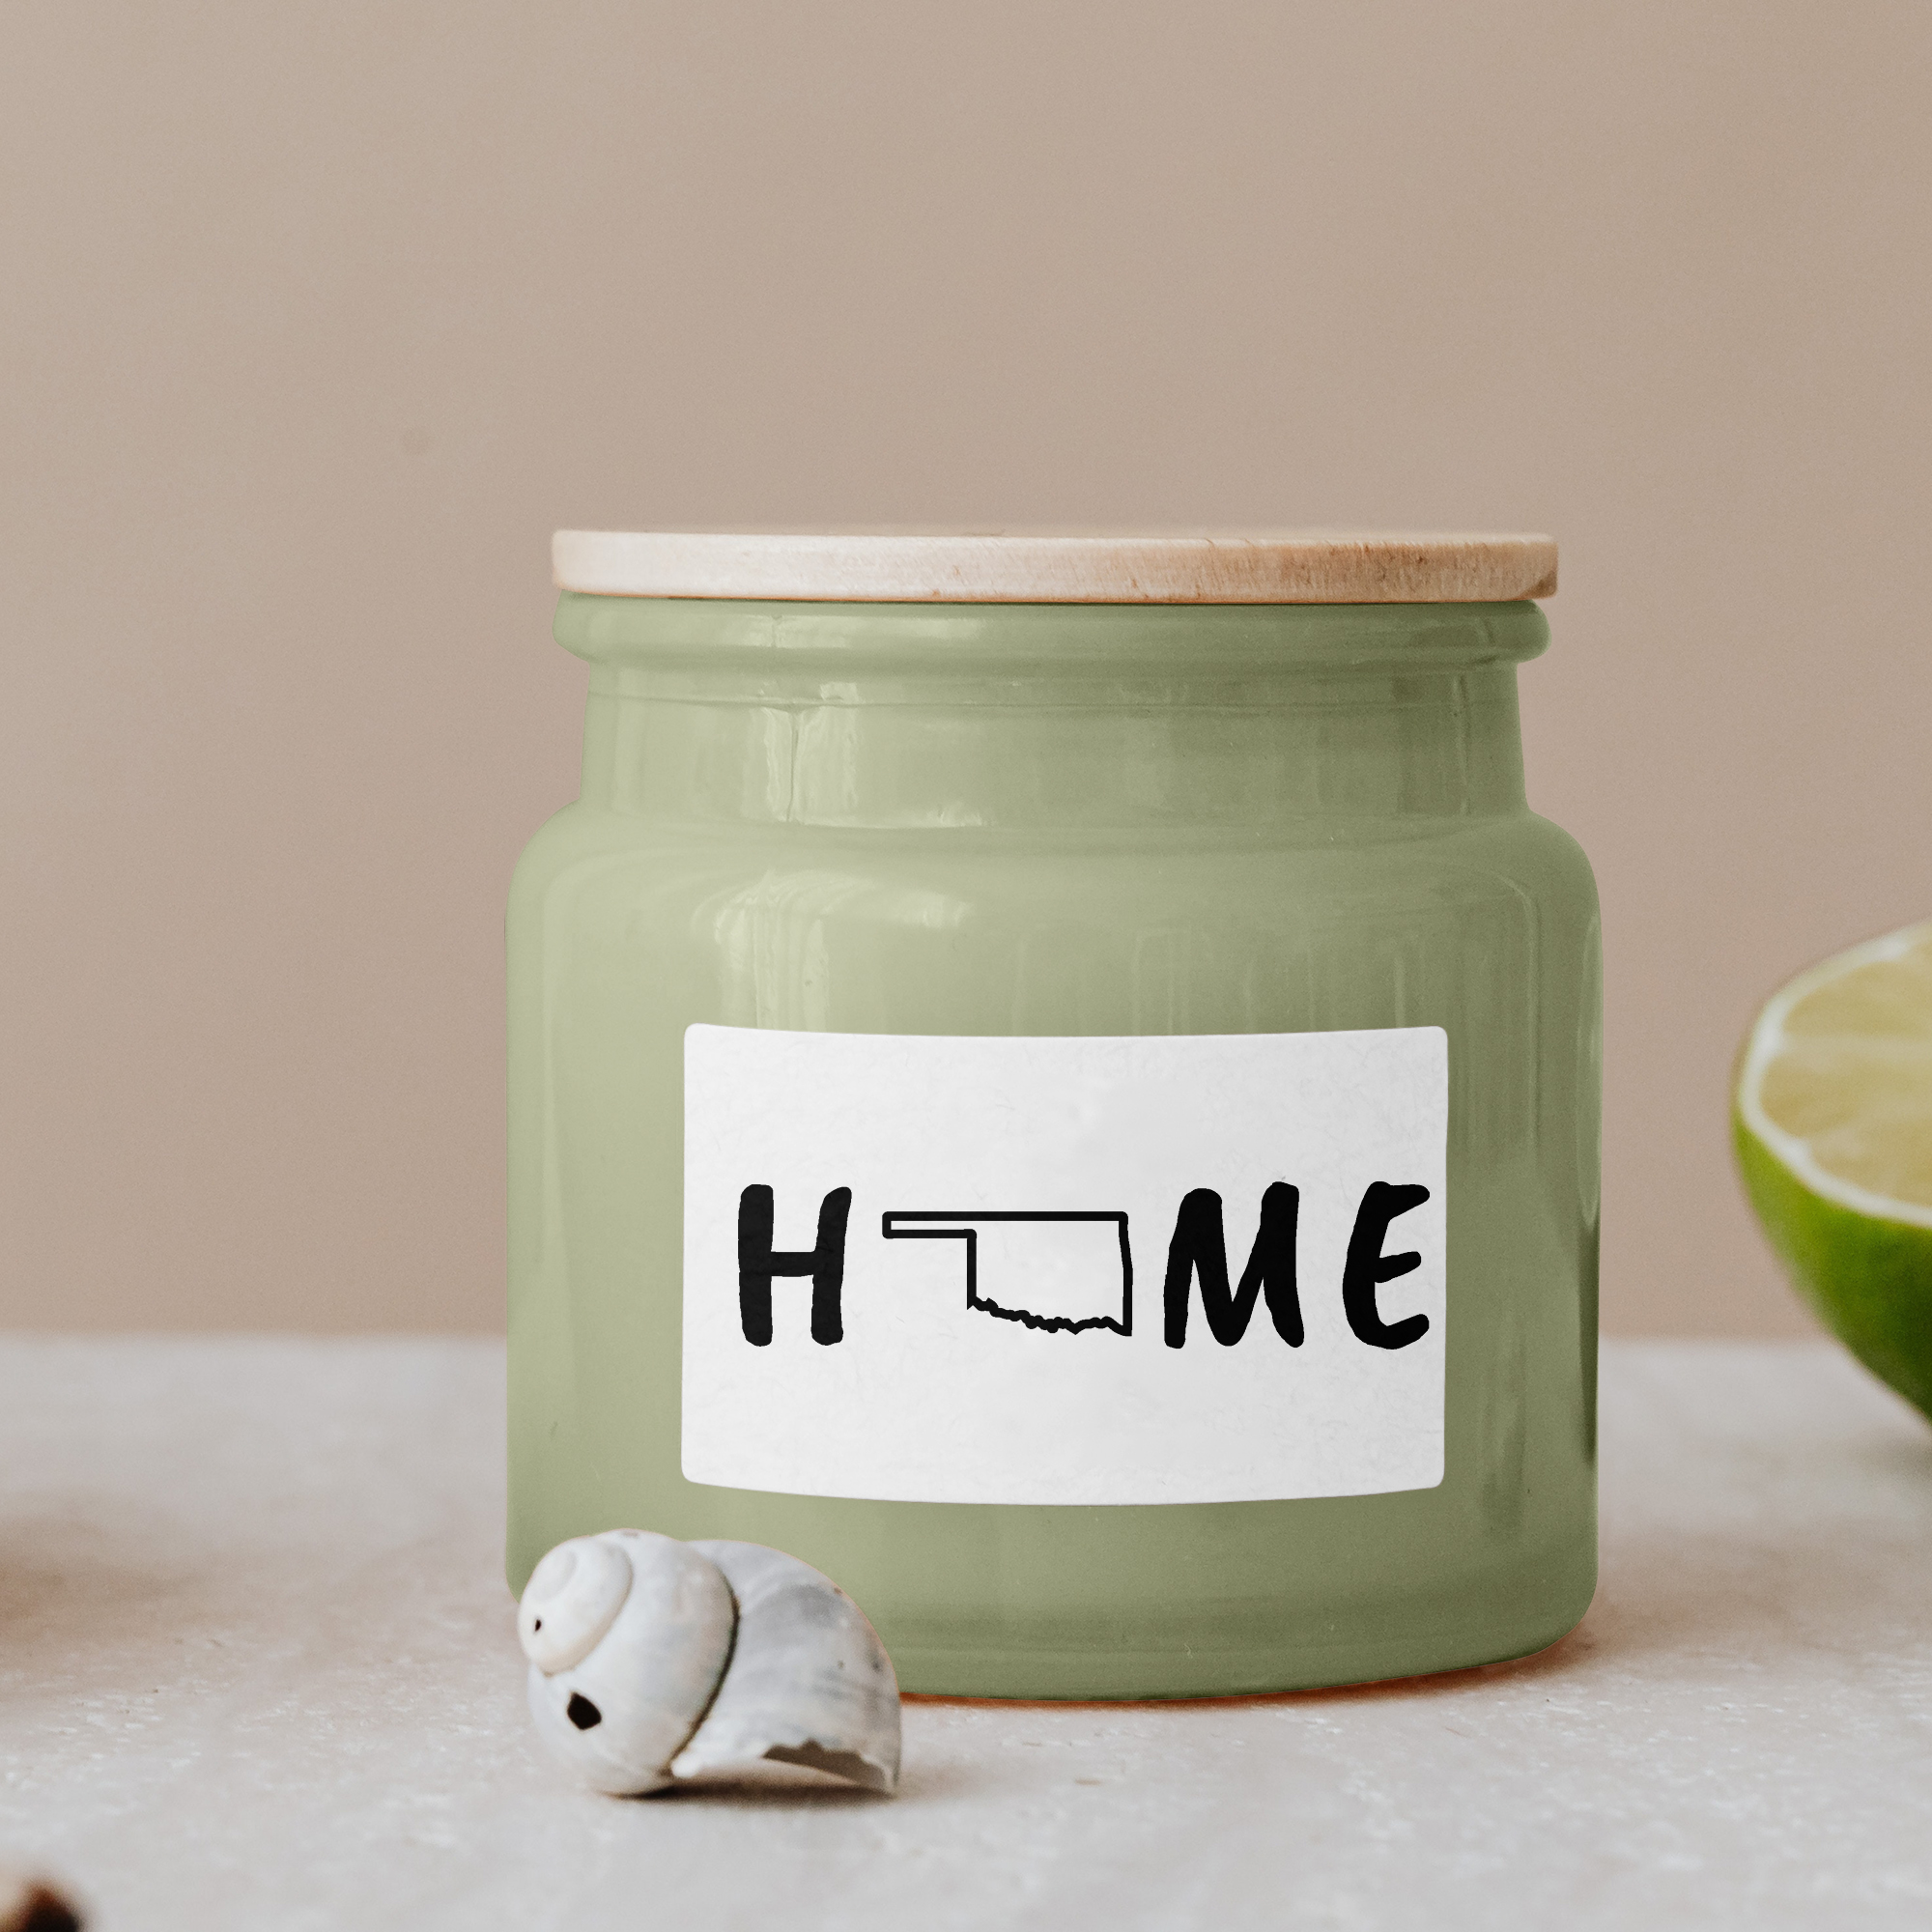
<point x="1199" y="1248"/>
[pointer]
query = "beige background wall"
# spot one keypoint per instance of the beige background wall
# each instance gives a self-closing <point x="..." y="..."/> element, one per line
<point x="316" y="318"/>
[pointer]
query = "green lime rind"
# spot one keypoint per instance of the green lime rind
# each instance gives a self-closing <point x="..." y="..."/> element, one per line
<point x="1869" y="1279"/>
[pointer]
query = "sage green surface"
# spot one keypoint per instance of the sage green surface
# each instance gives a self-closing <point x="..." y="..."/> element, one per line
<point x="1019" y="819"/>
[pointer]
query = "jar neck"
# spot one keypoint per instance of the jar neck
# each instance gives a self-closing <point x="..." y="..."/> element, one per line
<point x="1076" y="717"/>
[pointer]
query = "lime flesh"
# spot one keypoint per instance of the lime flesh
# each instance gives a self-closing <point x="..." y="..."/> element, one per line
<point x="1833" y="1126"/>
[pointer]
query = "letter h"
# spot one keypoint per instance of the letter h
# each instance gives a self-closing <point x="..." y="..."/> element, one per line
<point x="757" y="1263"/>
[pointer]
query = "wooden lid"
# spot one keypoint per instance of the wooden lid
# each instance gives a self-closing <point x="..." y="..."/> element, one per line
<point x="1059" y="567"/>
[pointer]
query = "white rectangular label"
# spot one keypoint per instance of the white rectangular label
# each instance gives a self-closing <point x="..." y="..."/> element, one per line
<point x="1170" y="1269"/>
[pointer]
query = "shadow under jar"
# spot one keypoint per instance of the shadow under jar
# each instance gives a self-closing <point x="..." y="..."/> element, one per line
<point x="1058" y="1081"/>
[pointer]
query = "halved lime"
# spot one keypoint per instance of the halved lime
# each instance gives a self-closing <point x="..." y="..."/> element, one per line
<point x="1833" y="1132"/>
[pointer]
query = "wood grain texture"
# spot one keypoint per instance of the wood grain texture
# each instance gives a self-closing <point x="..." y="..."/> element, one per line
<point x="1055" y="567"/>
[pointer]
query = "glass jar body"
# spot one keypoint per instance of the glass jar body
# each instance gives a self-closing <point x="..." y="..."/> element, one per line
<point x="1051" y="821"/>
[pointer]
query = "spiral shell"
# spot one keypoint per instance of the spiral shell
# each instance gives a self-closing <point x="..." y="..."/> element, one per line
<point x="653" y="1662"/>
<point x="623" y="1709"/>
<point x="572" y="1598"/>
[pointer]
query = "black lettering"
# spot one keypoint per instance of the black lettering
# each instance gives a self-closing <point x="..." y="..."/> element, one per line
<point x="1367" y="1268"/>
<point x="757" y="1263"/>
<point x="1199" y="1247"/>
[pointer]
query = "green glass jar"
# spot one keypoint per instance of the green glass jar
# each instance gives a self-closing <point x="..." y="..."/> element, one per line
<point x="1057" y="1082"/>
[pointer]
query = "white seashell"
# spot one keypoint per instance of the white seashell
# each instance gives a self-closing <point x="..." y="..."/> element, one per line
<point x="572" y="1598"/>
<point x="621" y="1712"/>
<point x="808" y="1682"/>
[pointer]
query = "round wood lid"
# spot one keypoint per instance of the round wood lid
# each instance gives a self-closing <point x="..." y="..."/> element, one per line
<point x="1059" y="567"/>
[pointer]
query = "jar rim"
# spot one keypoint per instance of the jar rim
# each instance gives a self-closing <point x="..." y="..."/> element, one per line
<point x="1040" y="566"/>
<point x="1081" y="641"/>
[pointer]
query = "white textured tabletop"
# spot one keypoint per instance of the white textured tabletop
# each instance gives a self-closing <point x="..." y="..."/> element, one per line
<point x="257" y="1669"/>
